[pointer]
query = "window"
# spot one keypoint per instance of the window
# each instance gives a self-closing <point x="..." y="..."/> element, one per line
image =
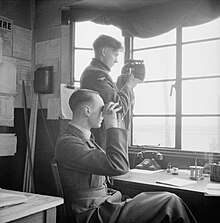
<point x="181" y="104"/>
<point x="178" y="105"/>
<point x="84" y="50"/>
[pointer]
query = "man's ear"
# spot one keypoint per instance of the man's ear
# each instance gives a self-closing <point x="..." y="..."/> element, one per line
<point x="103" y="51"/>
<point x="87" y="111"/>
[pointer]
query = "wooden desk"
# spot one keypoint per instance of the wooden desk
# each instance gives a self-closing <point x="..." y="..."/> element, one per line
<point x="37" y="209"/>
<point x="150" y="178"/>
<point x="203" y="207"/>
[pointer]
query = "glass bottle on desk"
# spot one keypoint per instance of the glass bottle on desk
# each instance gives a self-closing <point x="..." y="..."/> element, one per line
<point x="168" y="170"/>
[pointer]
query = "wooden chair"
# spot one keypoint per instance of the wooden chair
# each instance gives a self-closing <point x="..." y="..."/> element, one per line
<point x="61" y="211"/>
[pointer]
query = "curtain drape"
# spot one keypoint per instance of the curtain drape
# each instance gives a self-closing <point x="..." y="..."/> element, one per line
<point x="155" y="19"/>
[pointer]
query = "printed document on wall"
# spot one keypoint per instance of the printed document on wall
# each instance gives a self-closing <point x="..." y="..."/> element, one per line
<point x="8" y="71"/>
<point x="22" y="42"/>
<point x="23" y="71"/>
<point x="6" y="35"/>
<point x="8" y="144"/>
<point x="45" y="50"/>
<point x="6" y="110"/>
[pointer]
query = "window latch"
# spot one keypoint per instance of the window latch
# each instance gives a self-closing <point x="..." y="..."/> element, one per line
<point x="171" y="89"/>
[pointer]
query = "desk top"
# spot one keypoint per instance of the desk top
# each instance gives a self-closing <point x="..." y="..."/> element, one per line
<point x="35" y="203"/>
<point x="151" y="178"/>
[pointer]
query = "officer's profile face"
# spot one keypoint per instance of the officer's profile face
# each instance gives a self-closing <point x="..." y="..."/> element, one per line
<point x="110" y="56"/>
<point x="96" y="116"/>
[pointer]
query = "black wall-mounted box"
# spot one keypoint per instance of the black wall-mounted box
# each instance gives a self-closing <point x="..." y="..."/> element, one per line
<point x="43" y="80"/>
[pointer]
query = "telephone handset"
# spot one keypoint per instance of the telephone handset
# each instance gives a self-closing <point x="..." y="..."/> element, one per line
<point x="148" y="160"/>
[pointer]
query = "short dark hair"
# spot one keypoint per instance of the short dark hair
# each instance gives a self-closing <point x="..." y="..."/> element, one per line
<point x="79" y="97"/>
<point x="107" y="41"/>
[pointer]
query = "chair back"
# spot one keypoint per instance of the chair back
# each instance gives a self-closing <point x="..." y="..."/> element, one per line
<point x="61" y="211"/>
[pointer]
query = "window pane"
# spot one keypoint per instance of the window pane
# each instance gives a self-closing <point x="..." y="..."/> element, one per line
<point x="87" y="32"/>
<point x="201" y="59"/>
<point x="201" y="96"/>
<point x="76" y="84"/>
<point x="204" y="31"/>
<point x="82" y="60"/>
<point x="159" y="63"/>
<point x="154" y="98"/>
<point x="201" y="134"/>
<point x="164" y="39"/>
<point x="153" y="131"/>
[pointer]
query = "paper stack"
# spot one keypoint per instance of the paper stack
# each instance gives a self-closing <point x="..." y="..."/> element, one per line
<point x="212" y="189"/>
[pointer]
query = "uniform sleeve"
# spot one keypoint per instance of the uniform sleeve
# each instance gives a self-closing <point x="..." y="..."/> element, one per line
<point x="75" y="154"/>
<point x="100" y="82"/>
<point x="121" y="81"/>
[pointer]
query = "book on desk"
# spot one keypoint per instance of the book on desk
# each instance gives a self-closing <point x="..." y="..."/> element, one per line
<point x="212" y="189"/>
<point x="8" y="199"/>
<point x="28" y="207"/>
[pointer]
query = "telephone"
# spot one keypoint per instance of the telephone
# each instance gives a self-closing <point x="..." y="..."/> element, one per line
<point x="148" y="160"/>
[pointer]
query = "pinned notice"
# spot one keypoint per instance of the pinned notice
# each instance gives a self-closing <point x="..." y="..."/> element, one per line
<point x="6" y="110"/>
<point x="8" y="144"/>
<point x="6" y="27"/>
<point x="8" y="71"/>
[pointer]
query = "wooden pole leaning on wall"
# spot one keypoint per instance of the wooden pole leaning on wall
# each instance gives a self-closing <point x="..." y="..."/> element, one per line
<point x="28" y="182"/>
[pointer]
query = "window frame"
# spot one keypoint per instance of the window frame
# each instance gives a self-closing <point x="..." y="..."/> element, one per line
<point x="178" y="87"/>
<point x="129" y="50"/>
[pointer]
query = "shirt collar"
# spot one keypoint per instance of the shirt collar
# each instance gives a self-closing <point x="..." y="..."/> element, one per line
<point x="86" y="132"/>
<point x="98" y="63"/>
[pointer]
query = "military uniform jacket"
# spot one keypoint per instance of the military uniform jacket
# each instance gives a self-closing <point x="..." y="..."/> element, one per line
<point x="96" y="77"/>
<point x="83" y="166"/>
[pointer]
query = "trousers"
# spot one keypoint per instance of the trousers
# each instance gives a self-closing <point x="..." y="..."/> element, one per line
<point x="146" y="207"/>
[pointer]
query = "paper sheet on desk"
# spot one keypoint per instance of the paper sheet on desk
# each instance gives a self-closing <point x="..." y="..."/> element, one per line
<point x="7" y="199"/>
<point x="145" y="171"/>
<point x="177" y="182"/>
<point x="212" y="189"/>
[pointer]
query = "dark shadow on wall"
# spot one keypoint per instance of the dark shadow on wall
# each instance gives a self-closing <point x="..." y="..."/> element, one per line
<point x="12" y="167"/>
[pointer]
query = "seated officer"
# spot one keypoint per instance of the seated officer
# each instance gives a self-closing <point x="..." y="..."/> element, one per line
<point x="83" y="167"/>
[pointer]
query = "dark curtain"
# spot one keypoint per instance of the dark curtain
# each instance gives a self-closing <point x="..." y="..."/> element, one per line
<point x="155" y="19"/>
